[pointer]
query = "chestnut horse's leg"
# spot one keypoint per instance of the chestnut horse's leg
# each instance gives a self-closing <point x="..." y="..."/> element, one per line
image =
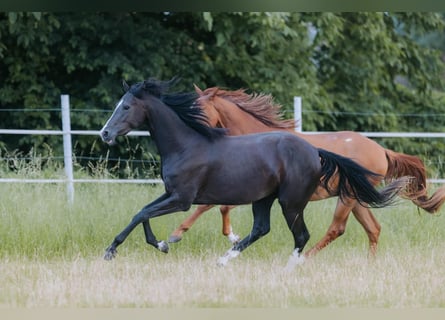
<point x="226" y="226"/>
<point x="225" y="215"/>
<point x="187" y="223"/>
<point x="370" y="224"/>
<point x="337" y="227"/>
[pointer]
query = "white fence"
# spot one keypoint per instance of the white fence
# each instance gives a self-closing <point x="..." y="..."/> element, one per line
<point x="66" y="132"/>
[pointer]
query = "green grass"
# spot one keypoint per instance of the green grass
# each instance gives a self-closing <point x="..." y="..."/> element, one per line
<point x="51" y="255"/>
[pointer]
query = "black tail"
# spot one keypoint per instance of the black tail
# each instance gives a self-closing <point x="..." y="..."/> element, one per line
<point x="354" y="181"/>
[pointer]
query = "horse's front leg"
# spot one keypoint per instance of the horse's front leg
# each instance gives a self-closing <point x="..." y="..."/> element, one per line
<point x="151" y="239"/>
<point x="226" y="225"/>
<point x="167" y="203"/>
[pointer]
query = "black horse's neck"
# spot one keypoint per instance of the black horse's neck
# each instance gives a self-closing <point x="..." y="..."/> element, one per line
<point x="168" y="129"/>
<point x="175" y="121"/>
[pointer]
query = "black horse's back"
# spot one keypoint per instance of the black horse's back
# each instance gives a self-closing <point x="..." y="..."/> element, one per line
<point x="354" y="181"/>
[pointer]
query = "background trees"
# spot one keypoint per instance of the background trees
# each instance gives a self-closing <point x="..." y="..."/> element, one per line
<point x="381" y="65"/>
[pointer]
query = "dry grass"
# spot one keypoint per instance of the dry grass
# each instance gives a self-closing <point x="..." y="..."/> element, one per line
<point x="414" y="279"/>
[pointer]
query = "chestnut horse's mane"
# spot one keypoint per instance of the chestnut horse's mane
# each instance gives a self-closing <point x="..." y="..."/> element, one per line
<point x="259" y="105"/>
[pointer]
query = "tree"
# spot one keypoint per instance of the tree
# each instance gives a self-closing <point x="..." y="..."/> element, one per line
<point x="340" y="63"/>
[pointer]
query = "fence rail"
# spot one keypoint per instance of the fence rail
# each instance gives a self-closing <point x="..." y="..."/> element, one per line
<point x="66" y="132"/>
<point x="144" y="133"/>
<point x="60" y="132"/>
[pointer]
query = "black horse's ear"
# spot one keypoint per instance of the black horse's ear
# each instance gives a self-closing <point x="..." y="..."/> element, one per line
<point x="173" y="81"/>
<point x="125" y="85"/>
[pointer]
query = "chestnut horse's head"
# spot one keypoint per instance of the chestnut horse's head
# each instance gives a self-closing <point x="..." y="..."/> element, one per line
<point x="206" y="101"/>
<point x="240" y="112"/>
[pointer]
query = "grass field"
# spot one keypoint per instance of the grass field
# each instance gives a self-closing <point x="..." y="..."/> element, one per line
<point x="51" y="256"/>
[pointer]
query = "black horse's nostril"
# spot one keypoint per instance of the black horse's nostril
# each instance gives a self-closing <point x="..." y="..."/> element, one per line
<point x="107" y="137"/>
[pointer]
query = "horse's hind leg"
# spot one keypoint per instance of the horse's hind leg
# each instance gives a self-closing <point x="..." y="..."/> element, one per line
<point x="295" y="222"/>
<point x="261" y="226"/>
<point x="371" y="226"/>
<point x="337" y="227"/>
<point x="187" y="223"/>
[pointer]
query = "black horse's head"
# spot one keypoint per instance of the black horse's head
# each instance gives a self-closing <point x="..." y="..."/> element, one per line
<point x="128" y="115"/>
<point x="133" y="109"/>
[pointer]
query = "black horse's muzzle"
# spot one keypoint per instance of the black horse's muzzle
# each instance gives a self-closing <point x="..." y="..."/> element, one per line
<point x="107" y="137"/>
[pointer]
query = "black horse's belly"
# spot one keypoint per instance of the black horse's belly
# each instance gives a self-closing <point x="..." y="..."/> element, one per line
<point x="237" y="189"/>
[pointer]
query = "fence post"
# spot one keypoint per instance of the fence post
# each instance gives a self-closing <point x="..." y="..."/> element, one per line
<point x="297" y="114"/>
<point x="67" y="147"/>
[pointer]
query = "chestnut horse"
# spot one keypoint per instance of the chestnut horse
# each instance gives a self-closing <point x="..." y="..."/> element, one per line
<point x="244" y="113"/>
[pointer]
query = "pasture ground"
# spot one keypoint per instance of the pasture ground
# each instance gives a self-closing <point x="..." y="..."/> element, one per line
<point x="51" y="256"/>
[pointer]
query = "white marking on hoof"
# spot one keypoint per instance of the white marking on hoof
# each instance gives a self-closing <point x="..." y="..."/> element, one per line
<point x="233" y="238"/>
<point x="295" y="259"/>
<point x="163" y="246"/>
<point x="229" y="255"/>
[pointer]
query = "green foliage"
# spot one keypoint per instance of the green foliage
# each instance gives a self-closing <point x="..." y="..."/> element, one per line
<point x="360" y="62"/>
<point x="380" y="65"/>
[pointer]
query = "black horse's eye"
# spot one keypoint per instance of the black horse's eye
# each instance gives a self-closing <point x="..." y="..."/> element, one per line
<point x="126" y="107"/>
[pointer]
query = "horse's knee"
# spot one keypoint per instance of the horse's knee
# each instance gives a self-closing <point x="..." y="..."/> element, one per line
<point x="341" y="231"/>
<point x="261" y="230"/>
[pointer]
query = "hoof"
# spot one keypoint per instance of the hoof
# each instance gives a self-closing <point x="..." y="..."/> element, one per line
<point x="110" y="253"/>
<point x="229" y="255"/>
<point x="174" y="238"/>
<point x="163" y="246"/>
<point x="295" y="259"/>
<point x="233" y="238"/>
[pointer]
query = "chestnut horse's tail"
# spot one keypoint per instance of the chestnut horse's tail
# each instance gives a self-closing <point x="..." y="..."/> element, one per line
<point x="400" y="164"/>
<point x="351" y="180"/>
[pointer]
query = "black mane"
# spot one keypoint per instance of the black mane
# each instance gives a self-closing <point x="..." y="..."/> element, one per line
<point x="182" y="103"/>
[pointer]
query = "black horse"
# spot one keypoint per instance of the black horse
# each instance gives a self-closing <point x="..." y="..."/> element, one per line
<point x="201" y="165"/>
